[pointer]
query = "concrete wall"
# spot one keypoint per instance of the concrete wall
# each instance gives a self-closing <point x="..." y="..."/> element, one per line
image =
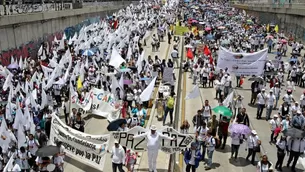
<point x="22" y="35"/>
<point x="290" y="20"/>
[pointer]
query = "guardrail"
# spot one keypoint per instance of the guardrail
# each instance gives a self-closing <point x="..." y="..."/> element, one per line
<point x="275" y="4"/>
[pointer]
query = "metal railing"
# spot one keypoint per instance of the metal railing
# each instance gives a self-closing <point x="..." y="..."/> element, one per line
<point x="298" y="4"/>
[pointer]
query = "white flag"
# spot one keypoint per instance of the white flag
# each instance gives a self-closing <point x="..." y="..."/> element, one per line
<point x="18" y="118"/>
<point x="146" y="94"/>
<point x="194" y="93"/>
<point x="121" y="83"/>
<point x="44" y="98"/>
<point x="8" y="82"/>
<point x="139" y="63"/>
<point x="39" y="53"/>
<point x="228" y="100"/>
<point x="12" y="60"/>
<point x="21" y="63"/>
<point x="21" y="137"/>
<point x="116" y="60"/>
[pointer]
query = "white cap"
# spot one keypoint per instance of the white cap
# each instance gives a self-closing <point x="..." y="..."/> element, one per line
<point x="254" y="132"/>
<point x="275" y="116"/>
<point x="116" y="142"/>
<point x="153" y="127"/>
<point x="263" y="89"/>
<point x="271" y="91"/>
<point x="299" y="112"/>
<point x="296" y="102"/>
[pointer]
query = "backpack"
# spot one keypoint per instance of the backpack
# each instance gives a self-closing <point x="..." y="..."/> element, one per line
<point x="170" y="102"/>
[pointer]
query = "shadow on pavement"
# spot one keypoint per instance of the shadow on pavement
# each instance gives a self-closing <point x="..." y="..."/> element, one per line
<point x="289" y="169"/>
<point x="215" y="165"/>
<point x="225" y="150"/>
<point x="239" y="162"/>
<point x="146" y="169"/>
<point x="252" y="105"/>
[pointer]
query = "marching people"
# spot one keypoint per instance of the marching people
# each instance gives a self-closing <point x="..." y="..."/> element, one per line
<point x="281" y="146"/>
<point x="261" y="103"/>
<point x="237" y="139"/>
<point x="274" y="125"/>
<point x="243" y="118"/>
<point x="210" y="146"/>
<point x="201" y="136"/>
<point x="264" y="165"/>
<point x="253" y="146"/>
<point x="153" y="145"/>
<point x="118" y="157"/>
<point x="296" y="147"/>
<point x="223" y="131"/>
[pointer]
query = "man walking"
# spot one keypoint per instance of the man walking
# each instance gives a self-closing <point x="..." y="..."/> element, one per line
<point x="175" y="56"/>
<point x="211" y="143"/>
<point x="296" y="148"/>
<point x="261" y="102"/>
<point x="118" y="157"/>
<point x="154" y="139"/>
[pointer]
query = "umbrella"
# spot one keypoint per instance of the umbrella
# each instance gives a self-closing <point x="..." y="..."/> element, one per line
<point x="88" y="53"/>
<point x="127" y="82"/>
<point x="210" y="37"/>
<point x="295" y="54"/>
<point x="207" y="29"/>
<point x="125" y="70"/>
<point x="225" y="42"/>
<point x="293" y="60"/>
<point x="47" y="151"/>
<point x="223" y="111"/>
<point x="269" y="36"/>
<point x="240" y="129"/>
<point x="284" y="41"/>
<point x="201" y="22"/>
<point x="295" y="133"/>
<point x="259" y="79"/>
<point x="144" y="79"/>
<point x="249" y="21"/>
<point x="221" y="27"/>
<point x="194" y="21"/>
<point x="13" y="66"/>
<point x="114" y="125"/>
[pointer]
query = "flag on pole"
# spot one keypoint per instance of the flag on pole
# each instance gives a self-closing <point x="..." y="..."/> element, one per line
<point x="276" y="29"/>
<point x="268" y="27"/>
<point x="194" y="93"/>
<point x="228" y="100"/>
<point x="116" y="60"/>
<point x="79" y="83"/>
<point x="146" y="94"/>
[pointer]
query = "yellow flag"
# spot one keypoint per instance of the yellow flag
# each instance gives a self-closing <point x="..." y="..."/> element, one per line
<point x="267" y="27"/>
<point x="276" y="29"/>
<point x="79" y="83"/>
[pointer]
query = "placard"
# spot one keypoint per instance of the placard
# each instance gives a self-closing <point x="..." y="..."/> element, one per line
<point x="246" y="64"/>
<point x="180" y="30"/>
<point x="86" y="148"/>
<point x="167" y="146"/>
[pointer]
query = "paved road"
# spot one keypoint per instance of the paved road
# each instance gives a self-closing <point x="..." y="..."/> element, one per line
<point x="221" y="160"/>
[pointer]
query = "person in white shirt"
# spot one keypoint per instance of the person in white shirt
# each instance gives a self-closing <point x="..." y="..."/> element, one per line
<point x="33" y="145"/>
<point x="16" y="167"/>
<point x="296" y="147"/>
<point x="24" y="157"/>
<point x="210" y="143"/>
<point x="154" y="139"/>
<point x="270" y="99"/>
<point x="261" y="102"/>
<point x="58" y="162"/>
<point x="118" y="157"/>
<point x="226" y="82"/>
<point x="274" y="124"/>
<point x="253" y="144"/>
<point x="281" y="145"/>
<point x="277" y="93"/>
<point x="235" y="143"/>
<point x="296" y="107"/>
<point x="288" y="97"/>
<point x="302" y="100"/>
<point x="264" y="165"/>
<point x="201" y="136"/>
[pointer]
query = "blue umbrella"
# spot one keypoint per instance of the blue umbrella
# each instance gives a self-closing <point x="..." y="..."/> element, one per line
<point x="125" y="70"/>
<point x="144" y="79"/>
<point x="293" y="60"/>
<point x="88" y="53"/>
<point x="209" y="37"/>
<point x="114" y="125"/>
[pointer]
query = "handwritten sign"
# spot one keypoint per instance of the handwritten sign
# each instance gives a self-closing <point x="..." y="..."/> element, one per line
<point x="90" y="149"/>
<point x="167" y="146"/>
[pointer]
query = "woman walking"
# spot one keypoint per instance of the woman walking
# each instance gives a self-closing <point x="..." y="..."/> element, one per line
<point x="281" y="145"/>
<point x="237" y="139"/>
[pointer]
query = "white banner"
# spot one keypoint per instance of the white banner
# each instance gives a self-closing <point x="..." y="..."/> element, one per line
<point x="242" y="63"/>
<point x="86" y="148"/>
<point x="167" y="146"/>
<point x="104" y="104"/>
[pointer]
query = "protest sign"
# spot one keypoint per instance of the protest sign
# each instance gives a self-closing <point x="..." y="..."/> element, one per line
<point x="246" y="64"/>
<point x="104" y="104"/>
<point x="168" y="146"/>
<point x="89" y="149"/>
<point x="168" y="75"/>
<point x="180" y="30"/>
